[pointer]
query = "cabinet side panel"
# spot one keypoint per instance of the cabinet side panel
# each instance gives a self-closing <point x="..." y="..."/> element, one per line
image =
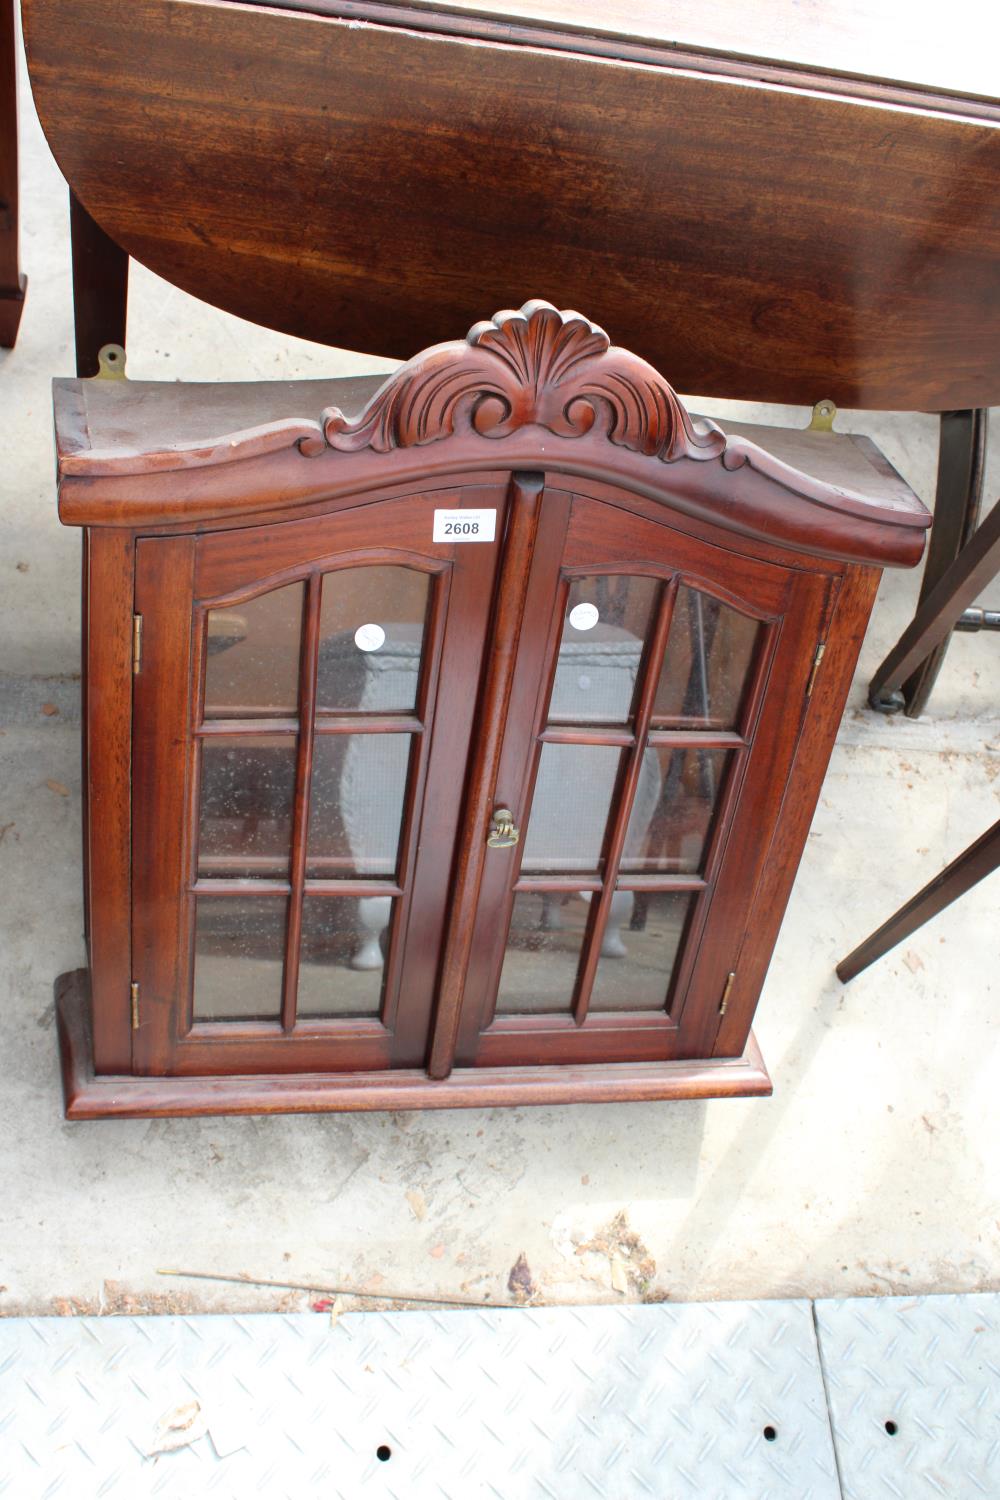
<point x="107" y="740"/>
<point x="845" y="633"/>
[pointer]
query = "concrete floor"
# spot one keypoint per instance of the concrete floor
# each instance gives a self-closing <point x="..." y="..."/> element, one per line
<point x="875" y="1168"/>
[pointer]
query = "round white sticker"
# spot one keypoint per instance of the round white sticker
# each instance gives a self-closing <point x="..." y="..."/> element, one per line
<point x="369" y="637"/>
<point x="584" y="616"/>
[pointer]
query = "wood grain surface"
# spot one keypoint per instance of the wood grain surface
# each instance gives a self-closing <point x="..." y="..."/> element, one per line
<point x="373" y="186"/>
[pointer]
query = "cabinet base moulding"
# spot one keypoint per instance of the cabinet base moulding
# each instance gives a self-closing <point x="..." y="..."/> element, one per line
<point x="93" y="1096"/>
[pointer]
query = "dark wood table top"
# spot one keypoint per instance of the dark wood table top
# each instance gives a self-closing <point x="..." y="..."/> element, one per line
<point x="920" y="47"/>
<point x="778" y="202"/>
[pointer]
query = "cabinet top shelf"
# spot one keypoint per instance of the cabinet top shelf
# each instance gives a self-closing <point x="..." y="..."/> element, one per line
<point x="529" y="389"/>
<point x="121" y="422"/>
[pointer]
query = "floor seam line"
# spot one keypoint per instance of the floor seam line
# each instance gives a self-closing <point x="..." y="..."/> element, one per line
<point x="826" y="1397"/>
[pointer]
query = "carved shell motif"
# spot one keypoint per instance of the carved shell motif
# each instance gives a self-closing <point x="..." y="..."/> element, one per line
<point x="535" y="367"/>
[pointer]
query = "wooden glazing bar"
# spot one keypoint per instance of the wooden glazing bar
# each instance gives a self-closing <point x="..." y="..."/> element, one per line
<point x="237" y="887"/>
<point x="570" y="884"/>
<point x="349" y="887"/>
<point x="557" y="883"/>
<point x="320" y="872"/>
<point x="600" y="908"/>
<point x="682" y="725"/>
<point x="573" y="734"/>
<point x="661" y="881"/>
<point x="512" y="589"/>
<point x="253" y="866"/>
<point x="697" y="739"/>
<point x="261" y="726"/>
<point x="308" y="663"/>
<point x="368" y="724"/>
<point x="325" y="724"/>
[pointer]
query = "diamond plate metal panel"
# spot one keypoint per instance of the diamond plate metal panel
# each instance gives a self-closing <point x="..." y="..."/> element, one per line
<point x="618" y="1403"/>
<point x="914" y="1392"/>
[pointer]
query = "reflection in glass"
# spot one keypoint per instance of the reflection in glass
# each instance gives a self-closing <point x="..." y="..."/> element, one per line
<point x="247" y="790"/>
<point x="371" y="635"/>
<point x="543" y="952"/>
<point x="569" y="809"/>
<point x="252" y="664"/>
<point x="599" y="659"/>
<point x="344" y="945"/>
<point x="707" y="666"/>
<point x="638" y="957"/>
<point x="674" y="809"/>
<point x="238" y="958"/>
<point x="358" y="790"/>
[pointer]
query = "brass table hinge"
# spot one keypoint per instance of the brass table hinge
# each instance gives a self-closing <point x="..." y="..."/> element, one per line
<point x="730" y="981"/>
<point x="820" y="649"/>
<point x="824" y="414"/>
<point x="136" y="645"/>
<point x="110" y="362"/>
<point x="134" y="996"/>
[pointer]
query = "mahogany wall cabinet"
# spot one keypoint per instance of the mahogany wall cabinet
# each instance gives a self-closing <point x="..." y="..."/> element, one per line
<point x="457" y="747"/>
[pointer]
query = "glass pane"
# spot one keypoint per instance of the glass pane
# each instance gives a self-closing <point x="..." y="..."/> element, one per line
<point x="253" y="656"/>
<point x="371" y="634"/>
<point x="569" y="809"/>
<point x="674" y="809"/>
<point x="707" y="666"/>
<point x="344" y="946"/>
<point x="238" y="958"/>
<point x="247" y="790"/>
<point x="640" y="947"/>
<point x="358" y="790"/>
<point x="606" y="624"/>
<point x="543" y="952"/>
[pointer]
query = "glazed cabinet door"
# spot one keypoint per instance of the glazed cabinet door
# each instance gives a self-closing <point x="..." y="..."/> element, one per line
<point x="301" y="725"/>
<point x="655" y="707"/>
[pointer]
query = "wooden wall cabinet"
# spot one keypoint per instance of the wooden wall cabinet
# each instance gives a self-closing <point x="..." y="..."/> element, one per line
<point x="456" y="748"/>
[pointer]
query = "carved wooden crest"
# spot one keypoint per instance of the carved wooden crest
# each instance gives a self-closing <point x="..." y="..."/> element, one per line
<point x="535" y="367"/>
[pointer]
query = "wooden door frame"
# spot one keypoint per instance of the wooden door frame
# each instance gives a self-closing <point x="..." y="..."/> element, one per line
<point x="173" y="577"/>
<point x="793" y="604"/>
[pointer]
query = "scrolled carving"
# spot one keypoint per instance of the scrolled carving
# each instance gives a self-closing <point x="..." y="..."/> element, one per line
<point x="534" y="367"/>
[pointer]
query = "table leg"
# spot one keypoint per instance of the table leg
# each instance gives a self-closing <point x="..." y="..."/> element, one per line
<point x="100" y="288"/>
<point x="978" y="861"/>
<point x="976" y="565"/>
<point x="12" y="283"/>
<point x="961" y="467"/>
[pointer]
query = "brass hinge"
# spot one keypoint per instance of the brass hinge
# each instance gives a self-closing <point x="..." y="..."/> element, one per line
<point x="816" y="661"/>
<point x="823" y="416"/>
<point x="136" y="644"/>
<point x="134" y="994"/>
<point x="730" y="981"/>
<point x="110" y="362"/>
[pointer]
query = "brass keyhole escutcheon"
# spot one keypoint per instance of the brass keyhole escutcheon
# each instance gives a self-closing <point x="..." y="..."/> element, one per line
<point x="502" y="833"/>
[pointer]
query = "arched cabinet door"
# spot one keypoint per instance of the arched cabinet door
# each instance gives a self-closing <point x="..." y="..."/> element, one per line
<point x="654" y="713"/>
<point x="302" y="723"/>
